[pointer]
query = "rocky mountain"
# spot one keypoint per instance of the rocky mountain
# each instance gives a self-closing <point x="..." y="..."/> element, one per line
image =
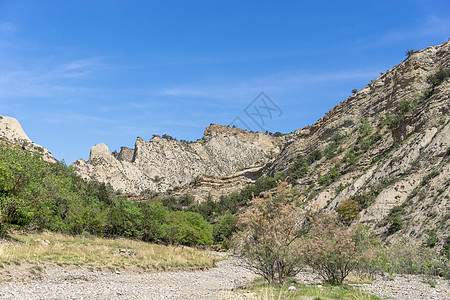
<point x="165" y="163"/>
<point x="11" y="132"/>
<point x="383" y="154"/>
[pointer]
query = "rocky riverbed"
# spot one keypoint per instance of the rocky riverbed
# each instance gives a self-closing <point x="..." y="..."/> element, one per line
<point x="216" y="283"/>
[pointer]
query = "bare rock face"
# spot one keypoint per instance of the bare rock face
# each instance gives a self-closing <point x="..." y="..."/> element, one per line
<point x="11" y="132"/>
<point x="163" y="164"/>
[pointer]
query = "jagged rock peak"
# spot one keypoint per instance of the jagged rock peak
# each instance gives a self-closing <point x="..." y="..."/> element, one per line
<point x="99" y="151"/>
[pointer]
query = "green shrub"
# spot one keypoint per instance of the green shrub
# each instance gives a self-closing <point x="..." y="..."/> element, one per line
<point x="396" y="225"/>
<point x="445" y="251"/>
<point x="348" y="211"/>
<point x="438" y="77"/>
<point x="124" y="219"/>
<point x="153" y="215"/>
<point x="330" y="150"/>
<point x="404" y="258"/>
<point x="329" y="178"/>
<point x="364" y="199"/>
<point x="224" y="228"/>
<point x="314" y="156"/>
<point x="186" y="228"/>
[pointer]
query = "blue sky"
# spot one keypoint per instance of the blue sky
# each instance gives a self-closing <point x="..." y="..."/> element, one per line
<point x="77" y="73"/>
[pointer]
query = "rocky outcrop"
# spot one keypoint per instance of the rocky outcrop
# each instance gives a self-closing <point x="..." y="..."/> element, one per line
<point x="11" y="132"/>
<point x="163" y="163"/>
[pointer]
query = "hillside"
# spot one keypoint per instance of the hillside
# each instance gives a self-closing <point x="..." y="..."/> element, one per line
<point x="380" y="157"/>
<point x="385" y="148"/>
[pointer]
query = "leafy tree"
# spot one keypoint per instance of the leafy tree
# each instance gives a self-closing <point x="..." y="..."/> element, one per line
<point x="23" y="182"/>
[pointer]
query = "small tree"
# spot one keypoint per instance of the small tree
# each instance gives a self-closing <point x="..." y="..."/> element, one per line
<point x="270" y="231"/>
<point x="333" y="249"/>
<point x="410" y="52"/>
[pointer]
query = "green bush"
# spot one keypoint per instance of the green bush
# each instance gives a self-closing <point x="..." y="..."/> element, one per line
<point x="348" y="211"/>
<point x="153" y="215"/>
<point x="224" y="228"/>
<point x="396" y="225"/>
<point x="438" y="77"/>
<point x="186" y="228"/>
<point x="124" y="219"/>
<point x="330" y="150"/>
<point x="404" y="258"/>
<point x="445" y="251"/>
<point x="329" y="178"/>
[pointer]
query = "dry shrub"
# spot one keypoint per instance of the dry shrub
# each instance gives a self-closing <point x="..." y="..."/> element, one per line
<point x="348" y="211"/>
<point x="270" y="231"/>
<point x="333" y="250"/>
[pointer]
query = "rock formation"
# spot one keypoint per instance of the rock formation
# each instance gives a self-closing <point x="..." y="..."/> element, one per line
<point x="163" y="164"/>
<point x="11" y="132"/>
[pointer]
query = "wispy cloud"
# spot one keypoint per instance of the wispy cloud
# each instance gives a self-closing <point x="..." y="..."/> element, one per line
<point x="8" y="27"/>
<point x="47" y="79"/>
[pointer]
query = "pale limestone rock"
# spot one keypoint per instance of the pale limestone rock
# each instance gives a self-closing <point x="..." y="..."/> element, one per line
<point x="11" y="131"/>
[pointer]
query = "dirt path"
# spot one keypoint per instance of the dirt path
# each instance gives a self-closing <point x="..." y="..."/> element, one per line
<point x="73" y="284"/>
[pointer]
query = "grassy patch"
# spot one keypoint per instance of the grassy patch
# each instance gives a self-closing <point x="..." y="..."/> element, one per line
<point x="309" y="292"/>
<point x="99" y="252"/>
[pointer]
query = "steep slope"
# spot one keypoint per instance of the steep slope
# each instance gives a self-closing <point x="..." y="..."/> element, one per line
<point x="386" y="148"/>
<point x="11" y="132"/>
<point x="163" y="164"/>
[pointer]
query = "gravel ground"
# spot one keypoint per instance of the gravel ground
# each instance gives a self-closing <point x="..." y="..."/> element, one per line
<point x="216" y="283"/>
<point x="409" y="287"/>
<point x="76" y="284"/>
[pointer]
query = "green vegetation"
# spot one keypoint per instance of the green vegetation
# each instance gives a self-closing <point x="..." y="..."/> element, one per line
<point x="348" y="211"/>
<point x="438" y="77"/>
<point x="330" y="177"/>
<point x="325" y="291"/>
<point x="404" y="258"/>
<point x="299" y="168"/>
<point x="38" y="195"/>
<point x="278" y="240"/>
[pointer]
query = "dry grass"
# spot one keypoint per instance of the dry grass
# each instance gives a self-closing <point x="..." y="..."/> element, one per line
<point x="100" y="253"/>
